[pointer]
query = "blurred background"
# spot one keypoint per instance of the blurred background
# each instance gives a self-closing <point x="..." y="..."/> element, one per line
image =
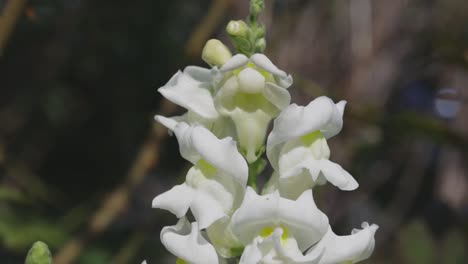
<point x="81" y="157"/>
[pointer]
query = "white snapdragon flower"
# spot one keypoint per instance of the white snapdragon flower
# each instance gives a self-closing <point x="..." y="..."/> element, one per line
<point x="251" y="91"/>
<point x="346" y="249"/>
<point x="238" y="96"/>
<point x="185" y="241"/>
<point x="275" y="228"/>
<point x="298" y="151"/>
<point x="214" y="186"/>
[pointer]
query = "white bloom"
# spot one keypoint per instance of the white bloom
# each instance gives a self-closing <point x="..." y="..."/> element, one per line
<point x="251" y="92"/>
<point x="346" y="249"/>
<point x="297" y="225"/>
<point x="276" y="249"/>
<point x="191" y="89"/>
<point x="214" y="186"/>
<point x="298" y="151"/>
<point x="185" y="241"/>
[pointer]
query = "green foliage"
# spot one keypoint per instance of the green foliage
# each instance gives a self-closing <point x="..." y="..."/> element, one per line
<point x="18" y="231"/>
<point x="416" y="244"/>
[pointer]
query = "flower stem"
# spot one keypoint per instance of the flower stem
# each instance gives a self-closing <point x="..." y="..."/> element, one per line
<point x="255" y="169"/>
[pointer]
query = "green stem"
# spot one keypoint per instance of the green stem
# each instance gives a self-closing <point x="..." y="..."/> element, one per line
<point x="255" y="169"/>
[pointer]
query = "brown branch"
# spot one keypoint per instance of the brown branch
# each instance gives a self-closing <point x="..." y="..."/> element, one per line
<point x="207" y="26"/>
<point x="117" y="201"/>
<point x="8" y="20"/>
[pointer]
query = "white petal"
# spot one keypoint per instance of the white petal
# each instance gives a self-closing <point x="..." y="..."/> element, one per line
<point x="186" y="242"/>
<point x="276" y="250"/>
<point x="295" y="121"/>
<point x="196" y="142"/>
<point x="190" y="93"/>
<point x="170" y="123"/>
<point x="206" y="209"/>
<point x="199" y="74"/>
<point x="222" y="154"/>
<point x="251" y="81"/>
<point x="177" y="200"/>
<point x="262" y="61"/>
<point x="284" y="82"/>
<point x="337" y="176"/>
<point x="235" y="62"/>
<point x="222" y="238"/>
<point x="353" y="248"/>
<point x="301" y="217"/>
<point x="252" y="253"/>
<point x="277" y="95"/>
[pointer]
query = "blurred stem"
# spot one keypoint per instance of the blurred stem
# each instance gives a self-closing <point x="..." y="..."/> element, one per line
<point x="255" y="169"/>
<point x="8" y="20"/>
<point x="207" y="26"/>
<point x="117" y="200"/>
<point x="130" y="249"/>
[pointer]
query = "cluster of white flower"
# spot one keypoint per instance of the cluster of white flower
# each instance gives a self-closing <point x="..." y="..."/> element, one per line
<point x="223" y="135"/>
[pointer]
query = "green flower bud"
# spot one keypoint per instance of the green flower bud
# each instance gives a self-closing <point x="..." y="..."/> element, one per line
<point x="256" y="7"/>
<point x="237" y="28"/>
<point x="260" y="45"/>
<point x="39" y="254"/>
<point x="215" y="53"/>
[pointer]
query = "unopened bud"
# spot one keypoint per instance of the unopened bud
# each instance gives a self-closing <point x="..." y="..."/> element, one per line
<point x="215" y="53"/>
<point x="260" y="45"/>
<point x="39" y="254"/>
<point x="237" y="28"/>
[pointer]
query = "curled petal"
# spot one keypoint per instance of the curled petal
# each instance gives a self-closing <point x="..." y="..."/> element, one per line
<point x="346" y="249"/>
<point x="262" y="61"/>
<point x="295" y="121"/>
<point x="275" y="249"/>
<point x="277" y="95"/>
<point x="177" y="200"/>
<point x="210" y="197"/>
<point x="235" y="62"/>
<point x="196" y="143"/>
<point x="190" y="89"/>
<point x="313" y="172"/>
<point x="185" y="241"/>
<point x="303" y="220"/>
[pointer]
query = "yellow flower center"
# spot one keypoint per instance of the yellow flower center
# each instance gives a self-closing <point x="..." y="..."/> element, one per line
<point x="207" y="169"/>
<point x="268" y="231"/>
<point x="181" y="261"/>
<point x="310" y="138"/>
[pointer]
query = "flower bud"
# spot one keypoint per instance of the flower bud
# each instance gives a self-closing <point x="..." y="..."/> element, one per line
<point x="260" y="45"/>
<point x="215" y="53"/>
<point x="39" y="254"/>
<point x="237" y="28"/>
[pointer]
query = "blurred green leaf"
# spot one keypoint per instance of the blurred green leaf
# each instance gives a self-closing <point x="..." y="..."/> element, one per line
<point x="19" y="231"/>
<point x="417" y="246"/>
<point x="455" y="248"/>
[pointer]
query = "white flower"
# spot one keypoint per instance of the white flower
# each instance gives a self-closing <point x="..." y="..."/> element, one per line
<point x="251" y="92"/>
<point x="185" y="241"/>
<point x="346" y="249"/>
<point x="276" y="249"/>
<point x="192" y="89"/>
<point x="294" y="225"/>
<point x="214" y="186"/>
<point x="238" y="99"/>
<point x="298" y="151"/>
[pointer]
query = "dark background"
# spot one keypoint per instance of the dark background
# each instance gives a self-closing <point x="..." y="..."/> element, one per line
<point x="81" y="158"/>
